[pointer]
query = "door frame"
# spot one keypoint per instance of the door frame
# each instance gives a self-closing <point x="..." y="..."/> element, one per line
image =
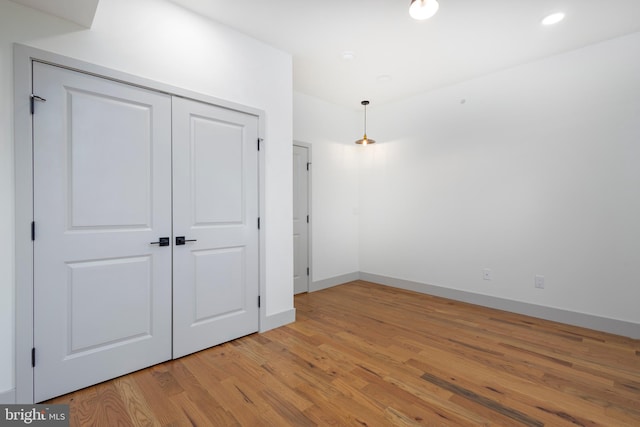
<point x="309" y="209"/>
<point x="23" y="57"/>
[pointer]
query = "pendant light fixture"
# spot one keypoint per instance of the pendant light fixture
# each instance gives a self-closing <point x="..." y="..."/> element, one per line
<point x="365" y="140"/>
<point x="423" y="9"/>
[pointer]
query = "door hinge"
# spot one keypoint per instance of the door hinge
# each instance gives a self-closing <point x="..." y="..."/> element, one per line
<point x="33" y="357"/>
<point x="308" y="164"/>
<point x="307" y="219"/>
<point x="259" y="141"/>
<point x="307" y="271"/>
<point x="258" y="223"/>
<point x="258" y="301"/>
<point x="33" y="99"/>
<point x="33" y="230"/>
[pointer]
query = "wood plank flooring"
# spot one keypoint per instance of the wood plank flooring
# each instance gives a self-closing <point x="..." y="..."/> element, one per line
<point x="362" y="354"/>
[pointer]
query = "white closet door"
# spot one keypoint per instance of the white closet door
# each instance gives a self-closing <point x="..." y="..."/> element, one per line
<point x="215" y="194"/>
<point x="300" y="219"/>
<point x="102" y="194"/>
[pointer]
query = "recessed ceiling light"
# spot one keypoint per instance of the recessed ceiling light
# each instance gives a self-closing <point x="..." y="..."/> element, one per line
<point x="554" y="18"/>
<point x="423" y="9"/>
<point x="348" y="55"/>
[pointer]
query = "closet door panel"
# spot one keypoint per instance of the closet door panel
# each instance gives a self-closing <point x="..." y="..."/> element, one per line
<point x="102" y="194"/>
<point x="215" y="193"/>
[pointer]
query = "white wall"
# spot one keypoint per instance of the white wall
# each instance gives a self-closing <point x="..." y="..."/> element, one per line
<point x="160" y="41"/>
<point x="536" y="173"/>
<point x="331" y="130"/>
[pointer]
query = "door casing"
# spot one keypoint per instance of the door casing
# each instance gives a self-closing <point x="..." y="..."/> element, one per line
<point x="24" y="56"/>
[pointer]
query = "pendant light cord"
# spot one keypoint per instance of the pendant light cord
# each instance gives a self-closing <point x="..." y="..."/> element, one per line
<point x="365" y="119"/>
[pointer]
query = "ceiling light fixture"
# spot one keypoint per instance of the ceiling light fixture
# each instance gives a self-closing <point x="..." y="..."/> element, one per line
<point x="365" y="140"/>
<point x="348" y="55"/>
<point x="423" y="9"/>
<point x="554" y="18"/>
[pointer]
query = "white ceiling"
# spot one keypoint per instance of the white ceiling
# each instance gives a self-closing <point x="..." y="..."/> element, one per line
<point x="466" y="38"/>
<point x="79" y="11"/>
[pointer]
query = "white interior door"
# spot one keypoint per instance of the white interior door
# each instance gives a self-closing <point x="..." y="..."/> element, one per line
<point x="300" y="219"/>
<point x="215" y="193"/>
<point x="102" y="194"/>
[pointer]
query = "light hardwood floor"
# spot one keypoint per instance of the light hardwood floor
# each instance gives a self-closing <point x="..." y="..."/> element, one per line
<point x="362" y="354"/>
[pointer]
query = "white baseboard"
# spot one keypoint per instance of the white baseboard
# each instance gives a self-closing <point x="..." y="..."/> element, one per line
<point x="279" y="319"/>
<point x="590" y="321"/>
<point x="8" y="397"/>
<point x="333" y="281"/>
<point x="604" y="324"/>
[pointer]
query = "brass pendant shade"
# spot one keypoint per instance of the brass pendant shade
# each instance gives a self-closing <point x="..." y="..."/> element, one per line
<point x="365" y="140"/>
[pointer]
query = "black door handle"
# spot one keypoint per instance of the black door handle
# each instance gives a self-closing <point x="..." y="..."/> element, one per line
<point x="163" y="241"/>
<point x="180" y="240"/>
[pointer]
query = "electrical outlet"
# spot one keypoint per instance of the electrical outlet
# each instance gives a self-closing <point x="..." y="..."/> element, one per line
<point x="539" y="281"/>
<point x="486" y="274"/>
